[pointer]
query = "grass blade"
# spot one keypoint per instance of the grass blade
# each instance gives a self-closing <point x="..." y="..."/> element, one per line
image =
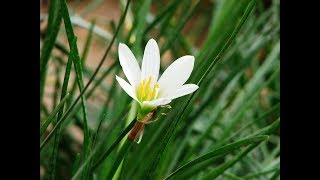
<point x="46" y="123"/>
<point x="83" y="56"/>
<point x="108" y="151"/>
<point x="64" y="90"/>
<point x="46" y="50"/>
<point x="79" y="73"/>
<point x="123" y="151"/>
<point x="76" y="164"/>
<point x="219" y="170"/>
<point x="139" y="25"/>
<point x="173" y="36"/>
<point x="223" y="150"/>
<point x="165" y="11"/>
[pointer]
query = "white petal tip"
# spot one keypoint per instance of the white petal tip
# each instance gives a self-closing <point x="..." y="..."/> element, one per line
<point x="190" y="58"/>
<point x="152" y="41"/>
<point x="121" y="45"/>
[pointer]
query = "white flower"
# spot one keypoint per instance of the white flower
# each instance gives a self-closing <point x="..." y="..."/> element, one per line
<point x="145" y="87"/>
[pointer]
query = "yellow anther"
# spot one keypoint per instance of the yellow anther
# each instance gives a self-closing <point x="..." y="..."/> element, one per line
<point x="147" y="89"/>
<point x="146" y="92"/>
<point x="155" y="91"/>
<point x="141" y="90"/>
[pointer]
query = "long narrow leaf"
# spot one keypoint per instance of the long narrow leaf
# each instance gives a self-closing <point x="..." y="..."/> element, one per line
<point x="46" y="123"/>
<point x="223" y="150"/>
<point x="219" y="170"/>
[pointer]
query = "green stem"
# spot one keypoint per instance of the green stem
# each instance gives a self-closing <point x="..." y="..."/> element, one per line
<point x="106" y="154"/>
<point x="123" y="151"/>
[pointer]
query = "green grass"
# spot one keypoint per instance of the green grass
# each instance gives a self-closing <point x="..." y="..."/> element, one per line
<point x="227" y="129"/>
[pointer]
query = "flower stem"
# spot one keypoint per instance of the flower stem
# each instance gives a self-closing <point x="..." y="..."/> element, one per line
<point x="136" y="128"/>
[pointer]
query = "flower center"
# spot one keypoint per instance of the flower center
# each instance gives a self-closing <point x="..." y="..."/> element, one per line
<point x="147" y="92"/>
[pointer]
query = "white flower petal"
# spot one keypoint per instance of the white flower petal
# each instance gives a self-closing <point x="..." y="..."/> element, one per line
<point x="127" y="88"/>
<point x="129" y="65"/>
<point x="176" y="75"/>
<point x="151" y="61"/>
<point x="183" y="90"/>
<point x="157" y="102"/>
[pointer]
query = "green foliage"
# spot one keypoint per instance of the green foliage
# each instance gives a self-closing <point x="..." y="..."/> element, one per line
<point x="227" y="129"/>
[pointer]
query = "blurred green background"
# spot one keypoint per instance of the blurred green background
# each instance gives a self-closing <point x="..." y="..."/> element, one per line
<point x="236" y="46"/>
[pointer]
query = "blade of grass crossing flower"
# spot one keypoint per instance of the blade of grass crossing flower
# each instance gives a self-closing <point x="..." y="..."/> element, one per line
<point x="223" y="150"/>
<point x="220" y="169"/>
<point x="55" y="149"/>
<point x="46" y="123"/>
<point x="72" y="106"/>
<point x="174" y="123"/>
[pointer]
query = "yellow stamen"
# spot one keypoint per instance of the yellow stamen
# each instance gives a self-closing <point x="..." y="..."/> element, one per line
<point x="147" y="88"/>
<point x="146" y="92"/>
<point x="141" y="90"/>
<point x="155" y="91"/>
